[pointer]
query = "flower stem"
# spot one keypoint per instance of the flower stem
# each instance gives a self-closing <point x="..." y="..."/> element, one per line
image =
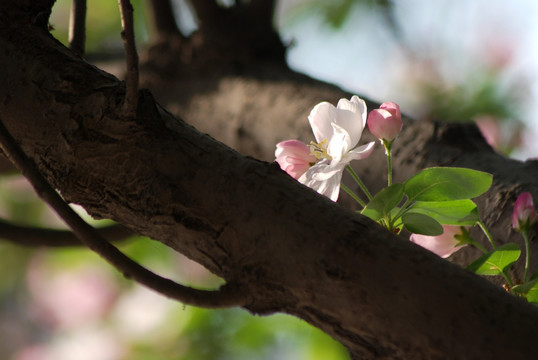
<point x="359" y="182"/>
<point x="465" y="238"/>
<point x="525" y="234"/>
<point x="486" y="232"/>
<point x="388" y="147"/>
<point x="352" y="194"/>
<point x="477" y="245"/>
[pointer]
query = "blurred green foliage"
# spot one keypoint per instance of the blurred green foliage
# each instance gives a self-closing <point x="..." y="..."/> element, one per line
<point x="480" y="95"/>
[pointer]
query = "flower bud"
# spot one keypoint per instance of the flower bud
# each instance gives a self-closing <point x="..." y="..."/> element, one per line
<point x="294" y="157"/>
<point x="524" y="215"/>
<point x="443" y="245"/>
<point x="385" y="123"/>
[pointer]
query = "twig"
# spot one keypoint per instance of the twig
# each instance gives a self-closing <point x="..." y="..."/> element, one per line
<point x="32" y="236"/>
<point x="227" y="296"/>
<point x="131" y="56"/>
<point x="77" y="27"/>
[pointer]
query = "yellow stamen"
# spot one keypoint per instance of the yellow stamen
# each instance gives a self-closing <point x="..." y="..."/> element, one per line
<point x="319" y="150"/>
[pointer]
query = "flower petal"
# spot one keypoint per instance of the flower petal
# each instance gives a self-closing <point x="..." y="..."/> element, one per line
<point x="324" y="179"/>
<point x="393" y="108"/>
<point x="443" y="245"/>
<point x="339" y="144"/>
<point x="360" y="152"/>
<point x="324" y="173"/>
<point x="320" y="118"/>
<point x="355" y="105"/>
<point x="351" y="115"/>
<point x="294" y="157"/>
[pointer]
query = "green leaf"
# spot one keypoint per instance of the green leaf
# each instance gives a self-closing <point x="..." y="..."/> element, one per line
<point x="445" y="183"/>
<point x="384" y="201"/>
<point x="497" y="261"/>
<point x="529" y="290"/>
<point x="421" y="224"/>
<point x="532" y="295"/>
<point x="456" y="212"/>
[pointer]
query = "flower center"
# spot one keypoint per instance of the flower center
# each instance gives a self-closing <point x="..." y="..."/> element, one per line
<point x="319" y="150"/>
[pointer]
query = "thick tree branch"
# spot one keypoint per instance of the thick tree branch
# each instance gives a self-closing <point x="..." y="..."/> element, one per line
<point x="226" y="296"/>
<point x="33" y="237"/>
<point x="246" y="220"/>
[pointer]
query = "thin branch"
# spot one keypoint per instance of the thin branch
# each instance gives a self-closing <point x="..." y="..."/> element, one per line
<point x="34" y="237"/>
<point x="227" y="296"/>
<point x="128" y="36"/>
<point x="162" y="18"/>
<point x="77" y="27"/>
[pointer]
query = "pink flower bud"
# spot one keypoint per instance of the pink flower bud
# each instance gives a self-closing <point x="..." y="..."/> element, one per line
<point x="385" y="123"/>
<point x="294" y="157"/>
<point x="393" y="108"/>
<point x="443" y="245"/>
<point x="524" y="214"/>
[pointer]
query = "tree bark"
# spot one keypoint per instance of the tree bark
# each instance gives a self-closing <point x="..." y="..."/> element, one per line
<point x="248" y="222"/>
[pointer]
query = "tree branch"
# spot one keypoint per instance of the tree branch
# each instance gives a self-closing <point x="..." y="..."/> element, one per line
<point x="131" y="56"/>
<point x="77" y="27"/>
<point x="226" y="296"/>
<point x="33" y="237"/>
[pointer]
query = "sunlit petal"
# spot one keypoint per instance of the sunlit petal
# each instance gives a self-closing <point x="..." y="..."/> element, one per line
<point x="361" y="152"/>
<point x="339" y="144"/>
<point x="320" y="118"/>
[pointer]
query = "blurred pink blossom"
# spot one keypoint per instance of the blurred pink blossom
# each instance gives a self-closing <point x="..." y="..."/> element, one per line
<point x="71" y="297"/>
<point x="34" y="352"/>
<point x="443" y="245"/>
<point x="489" y="127"/>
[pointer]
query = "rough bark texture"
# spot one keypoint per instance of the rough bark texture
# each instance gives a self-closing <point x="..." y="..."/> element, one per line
<point x="246" y="220"/>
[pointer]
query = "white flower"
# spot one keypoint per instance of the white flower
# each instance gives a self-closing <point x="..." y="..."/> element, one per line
<point x="337" y="131"/>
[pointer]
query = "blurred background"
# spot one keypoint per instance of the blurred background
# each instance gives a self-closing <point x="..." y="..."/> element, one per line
<point x="450" y="59"/>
